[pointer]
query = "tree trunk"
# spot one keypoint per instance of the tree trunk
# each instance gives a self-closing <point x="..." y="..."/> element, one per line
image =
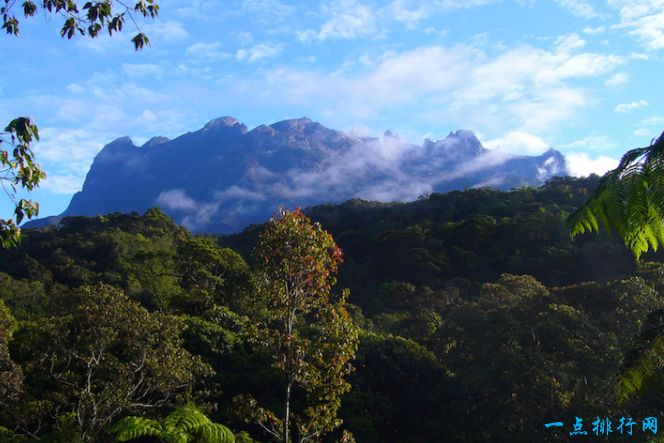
<point x="287" y="413"/>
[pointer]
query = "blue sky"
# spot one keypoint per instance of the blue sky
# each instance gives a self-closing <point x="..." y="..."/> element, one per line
<point x="580" y="76"/>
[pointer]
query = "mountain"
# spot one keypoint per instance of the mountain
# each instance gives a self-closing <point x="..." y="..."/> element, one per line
<point x="224" y="177"/>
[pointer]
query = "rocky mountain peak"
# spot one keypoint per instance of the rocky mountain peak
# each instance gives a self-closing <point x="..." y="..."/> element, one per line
<point x="154" y="141"/>
<point x="225" y="121"/>
<point x="295" y="124"/>
<point x="117" y="149"/>
<point x="464" y="142"/>
<point x="226" y="124"/>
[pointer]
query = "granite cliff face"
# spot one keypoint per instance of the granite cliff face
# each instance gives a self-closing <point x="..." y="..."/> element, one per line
<point x="224" y="177"/>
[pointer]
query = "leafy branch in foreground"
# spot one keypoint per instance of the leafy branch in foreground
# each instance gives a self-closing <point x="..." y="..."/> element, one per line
<point x="185" y="424"/>
<point x="87" y="20"/>
<point x="629" y="200"/>
<point x="18" y="168"/>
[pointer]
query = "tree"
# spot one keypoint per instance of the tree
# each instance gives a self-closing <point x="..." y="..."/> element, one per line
<point x="306" y="327"/>
<point x="211" y="275"/>
<point x="399" y="393"/>
<point x="185" y="424"/>
<point x="91" y="359"/>
<point x="629" y="200"/>
<point x="10" y="373"/>
<point x="20" y="168"/>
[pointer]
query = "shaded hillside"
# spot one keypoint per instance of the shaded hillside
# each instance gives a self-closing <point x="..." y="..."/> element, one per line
<point x="465" y="237"/>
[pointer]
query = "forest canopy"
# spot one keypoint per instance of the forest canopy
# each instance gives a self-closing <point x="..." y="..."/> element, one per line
<point x="459" y="302"/>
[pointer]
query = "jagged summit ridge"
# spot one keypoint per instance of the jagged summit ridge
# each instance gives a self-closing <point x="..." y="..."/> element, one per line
<point x="154" y="141"/>
<point x="293" y="124"/>
<point x="225" y="121"/>
<point x="224" y="177"/>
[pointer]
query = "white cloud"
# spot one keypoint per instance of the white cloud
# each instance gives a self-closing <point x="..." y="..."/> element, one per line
<point x="650" y="127"/>
<point x="591" y="143"/>
<point x="76" y="124"/>
<point x="259" y="52"/>
<point x="243" y="38"/>
<point x="147" y="117"/>
<point x="642" y="132"/>
<point x="142" y="70"/>
<point x="639" y="56"/>
<point x="267" y="11"/>
<point x="198" y="214"/>
<point x="66" y="156"/>
<point x="64" y="184"/>
<point x="524" y="88"/>
<point x="617" y="79"/>
<point x="166" y="31"/>
<point x="347" y="19"/>
<point x="628" y="107"/>
<point x="386" y="169"/>
<point x="199" y="9"/>
<point x="594" y="30"/>
<point x="579" y="8"/>
<point x="580" y="164"/>
<point x="201" y="217"/>
<point x="518" y="142"/>
<point x="75" y="88"/>
<point x="406" y="12"/>
<point x="176" y="200"/>
<point x="411" y="12"/>
<point x="653" y="121"/>
<point x="209" y="52"/>
<point x="587" y="65"/>
<point x="644" y="19"/>
<point x="570" y="42"/>
<point x="236" y="192"/>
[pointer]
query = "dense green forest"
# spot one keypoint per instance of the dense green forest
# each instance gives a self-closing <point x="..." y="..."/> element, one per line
<point x="472" y="316"/>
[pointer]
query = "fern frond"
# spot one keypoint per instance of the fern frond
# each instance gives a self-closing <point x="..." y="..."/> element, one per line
<point x="178" y="437"/>
<point x="131" y="428"/>
<point x="216" y="433"/>
<point x="645" y="373"/>
<point x="644" y="369"/>
<point x="628" y="200"/>
<point x="185" y="419"/>
<point x="184" y="425"/>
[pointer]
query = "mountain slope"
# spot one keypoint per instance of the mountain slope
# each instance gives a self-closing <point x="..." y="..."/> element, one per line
<point x="223" y="177"/>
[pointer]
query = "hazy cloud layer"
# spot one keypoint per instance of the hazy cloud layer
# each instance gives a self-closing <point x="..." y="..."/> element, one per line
<point x="519" y="142"/>
<point x="525" y="88"/>
<point x="380" y="169"/>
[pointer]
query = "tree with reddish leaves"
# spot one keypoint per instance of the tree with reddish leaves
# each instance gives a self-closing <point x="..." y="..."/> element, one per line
<point x="305" y="326"/>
